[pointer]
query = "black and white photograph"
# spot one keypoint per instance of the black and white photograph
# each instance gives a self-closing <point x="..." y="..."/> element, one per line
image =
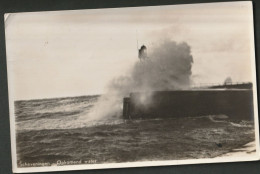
<point x="132" y="86"/>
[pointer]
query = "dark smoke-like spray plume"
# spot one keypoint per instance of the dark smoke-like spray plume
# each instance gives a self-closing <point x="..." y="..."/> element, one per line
<point x="168" y="67"/>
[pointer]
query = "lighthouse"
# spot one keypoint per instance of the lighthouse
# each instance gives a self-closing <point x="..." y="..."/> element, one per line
<point x="142" y="53"/>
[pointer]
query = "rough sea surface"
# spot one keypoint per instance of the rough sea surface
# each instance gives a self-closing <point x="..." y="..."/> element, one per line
<point x="59" y="132"/>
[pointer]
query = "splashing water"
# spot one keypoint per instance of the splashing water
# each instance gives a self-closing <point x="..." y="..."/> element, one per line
<point x="167" y="68"/>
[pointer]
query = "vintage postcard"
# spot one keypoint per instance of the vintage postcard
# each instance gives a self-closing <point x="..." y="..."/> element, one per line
<point x="128" y="87"/>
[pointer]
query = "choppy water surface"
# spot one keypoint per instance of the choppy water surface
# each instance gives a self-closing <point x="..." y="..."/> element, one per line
<point x="58" y="132"/>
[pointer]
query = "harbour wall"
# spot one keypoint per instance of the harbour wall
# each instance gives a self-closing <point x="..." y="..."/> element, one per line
<point x="235" y="103"/>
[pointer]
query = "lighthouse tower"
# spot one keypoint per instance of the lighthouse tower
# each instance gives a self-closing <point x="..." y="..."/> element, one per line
<point x="142" y="53"/>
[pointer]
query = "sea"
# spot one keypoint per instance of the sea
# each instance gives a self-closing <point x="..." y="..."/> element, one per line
<point x="58" y="131"/>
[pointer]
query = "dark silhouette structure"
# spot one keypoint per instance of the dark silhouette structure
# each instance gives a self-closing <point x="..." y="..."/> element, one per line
<point x="234" y="102"/>
<point x="142" y="53"/>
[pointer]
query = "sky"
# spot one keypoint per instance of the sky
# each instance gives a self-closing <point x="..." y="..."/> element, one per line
<point x="78" y="52"/>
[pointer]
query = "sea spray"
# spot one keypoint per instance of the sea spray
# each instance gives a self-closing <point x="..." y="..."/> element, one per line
<point x="168" y="67"/>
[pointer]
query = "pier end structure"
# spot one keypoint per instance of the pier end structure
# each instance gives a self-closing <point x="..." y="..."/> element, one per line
<point x="235" y="103"/>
